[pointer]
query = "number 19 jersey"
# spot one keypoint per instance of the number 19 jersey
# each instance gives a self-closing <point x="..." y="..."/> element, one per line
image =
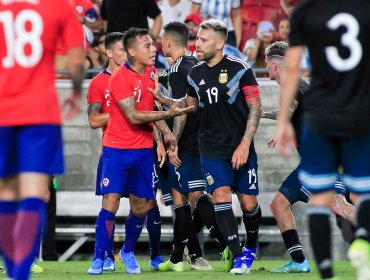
<point x="336" y="33"/>
<point x="29" y="30"/>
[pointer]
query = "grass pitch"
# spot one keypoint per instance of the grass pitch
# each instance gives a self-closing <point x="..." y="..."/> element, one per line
<point x="260" y="271"/>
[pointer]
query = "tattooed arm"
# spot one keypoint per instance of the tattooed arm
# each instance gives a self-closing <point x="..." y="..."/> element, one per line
<point x="96" y="119"/>
<point x="274" y="113"/>
<point x="241" y="153"/>
<point x="180" y="121"/>
<point x="128" y="107"/>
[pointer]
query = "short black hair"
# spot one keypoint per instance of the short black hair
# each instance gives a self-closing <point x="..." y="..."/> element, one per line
<point x="130" y="36"/>
<point x="277" y="49"/>
<point x="215" y="25"/>
<point x="112" y="38"/>
<point x="178" y="31"/>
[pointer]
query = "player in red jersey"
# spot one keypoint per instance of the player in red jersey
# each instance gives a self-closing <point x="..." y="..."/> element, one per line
<point x="30" y="117"/>
<point x="127" y="157"/>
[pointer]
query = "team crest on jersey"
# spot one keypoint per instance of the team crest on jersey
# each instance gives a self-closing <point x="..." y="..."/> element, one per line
<point x="105" y="182"/>
<point x="223" y="77"/>
<point x="210" y="179"/>
<point x="152" y="75"/>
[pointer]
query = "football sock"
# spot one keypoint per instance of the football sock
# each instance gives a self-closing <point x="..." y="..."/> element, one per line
<point x="363" y="220"/>
<point x="182" y="226"/>
<point x="8" y="215"/>
<point x="153" y="225"/>
<point x="252" y="222"/>
<point x="197" y="221"/>
<point x="228" y="226"/>
<point x="27" y="234"/>
<point x="293" y="246"/>
<point x="195" y="251"/>
<point x="206" y="209"/>
<point x="319" y="224"/>
<point x="104" y="232"/>
<point x="134" y="226"/>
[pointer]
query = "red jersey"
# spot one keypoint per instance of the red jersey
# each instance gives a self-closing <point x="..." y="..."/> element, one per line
<point x="98" y="92"/>
<point x="120" y="133"/>
<point x="28" y="32"/>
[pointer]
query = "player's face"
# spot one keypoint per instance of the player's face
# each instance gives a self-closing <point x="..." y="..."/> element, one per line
<point x="207" y="44"/>
<point x="193" y="29"/>
<point x="116" y="53"/>
<point x="270" y="66"/>
<point x="166" y="45"/>
<point x="144" y="50"/>
<point x="284" y="29"/>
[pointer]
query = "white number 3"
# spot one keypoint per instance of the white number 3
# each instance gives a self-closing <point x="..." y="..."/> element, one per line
<point x="17" y="37"/>
<point x="348" y="39"/>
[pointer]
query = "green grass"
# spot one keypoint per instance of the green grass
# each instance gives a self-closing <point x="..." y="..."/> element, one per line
<point x="260" y="271"/>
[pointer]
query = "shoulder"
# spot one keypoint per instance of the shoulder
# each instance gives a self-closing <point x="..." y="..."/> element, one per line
<point x="197" y="67"/>
<point x="237" y="62"/>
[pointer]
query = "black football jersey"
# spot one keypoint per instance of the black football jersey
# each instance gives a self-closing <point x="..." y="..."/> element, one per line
<point x="174" y="84"/>
<point x="336" y="33"/>
<point x="297" y="116"/>
<point x="224" y="108"/>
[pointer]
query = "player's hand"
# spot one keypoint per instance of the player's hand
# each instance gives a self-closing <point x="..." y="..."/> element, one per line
<point x="178" y="108"/>
<point x="72" y="106"/>
<point x="157" y="95"/>
<point x="285" y="139"/>
<point x="161" y="154"/>
<point x="240" y="155"/>
<point x="271" y="143"/>
<point x="172" y="149"/>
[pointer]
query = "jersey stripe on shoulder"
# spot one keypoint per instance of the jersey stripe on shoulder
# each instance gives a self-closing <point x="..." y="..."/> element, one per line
<point x="175" y="66"/>
<point x="198" y="64"/>
<point x="236" y="59"/>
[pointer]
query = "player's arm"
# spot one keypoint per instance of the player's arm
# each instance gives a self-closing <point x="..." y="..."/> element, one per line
<point x="237" y="22"/>
<point x="161" y="151"/>
<point x="285" y="136"/>
<point x="95" y="117"/>
<point x="180" y="121"/>
<point x="273" y="114"/>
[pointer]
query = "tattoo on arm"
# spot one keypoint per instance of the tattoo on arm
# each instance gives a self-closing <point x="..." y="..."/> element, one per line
<point x="77" y="78"/>
<point x="254" y="117"/>
<point x="157" y="136"/>
<point x="178" y="126"/>
<point x="162" y="127"/>
<point x="270" y="114"/>
<point x="94" y="108"/>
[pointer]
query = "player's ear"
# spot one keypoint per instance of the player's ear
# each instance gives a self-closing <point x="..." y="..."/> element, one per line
<point x="220" y="45"/>
<point x="130" y="52"/>
<point x="109" y="53"/>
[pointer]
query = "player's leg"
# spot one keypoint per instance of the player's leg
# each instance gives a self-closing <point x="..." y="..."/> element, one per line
<point x="247" y="191"/>
<point x="153" y="225"/>
<point x="289" y="193"/>
<point x="356" y="174"/>
<point x="318" y="173"/>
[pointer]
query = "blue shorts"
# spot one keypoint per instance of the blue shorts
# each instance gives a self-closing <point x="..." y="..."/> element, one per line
<point x="127" y="172"/>
<point x="293" y="190"/>
<point x="322" y="155"/>
<point x="33" y="148"/>
<point x="219" y="173"/>
<point x="159" y="182"/>
<point x="188" y="177"/>
<point x="98" y="178"/>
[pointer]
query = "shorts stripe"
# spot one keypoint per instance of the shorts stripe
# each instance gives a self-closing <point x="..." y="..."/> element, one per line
<point x="316" y="182"/>
<point x="357" y="184"/>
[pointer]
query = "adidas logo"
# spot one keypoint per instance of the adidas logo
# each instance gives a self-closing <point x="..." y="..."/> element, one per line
<point x="253" y="187"/>
<point x="202" y="82"/>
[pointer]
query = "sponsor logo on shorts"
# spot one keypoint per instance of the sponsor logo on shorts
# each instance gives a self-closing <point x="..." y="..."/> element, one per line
<point x="105" y="182"/>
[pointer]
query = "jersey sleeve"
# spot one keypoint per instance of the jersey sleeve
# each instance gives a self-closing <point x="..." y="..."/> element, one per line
<point x="248" y="84"/>
<point x="120" y="87"/>
<point x="191" y="89"/>
<point x="94" y="92"/>
<point x="296" y="37"/>
<point x="151" y="8"/>
<point x="71" y="30"/>
<point x="179" y="84"/>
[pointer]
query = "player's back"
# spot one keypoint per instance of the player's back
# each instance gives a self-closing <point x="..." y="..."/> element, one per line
<point x="29" y="30"/>
<point x="336" y="33"/>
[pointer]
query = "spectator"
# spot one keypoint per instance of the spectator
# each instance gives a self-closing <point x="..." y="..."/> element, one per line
<point x="227" y="11"/>
<point x="192" y="21"/>
<point x="96" y="55"/>
<point x="288" y="6"/>
<point x="265" y="36"/>
<point x="174" y="10"/>
<point x="283" y="30"/>
<point x="121" y="15"/>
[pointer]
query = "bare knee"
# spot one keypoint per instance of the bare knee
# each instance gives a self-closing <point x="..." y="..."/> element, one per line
<point x="139" y="206"/>
<point x="279" y="204"/>
<point x="111" y="202"/>
<point x="222" y="194"/>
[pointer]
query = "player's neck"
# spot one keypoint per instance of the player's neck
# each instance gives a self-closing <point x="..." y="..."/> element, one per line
<point x="112" y="67"/>
<point x="178" y="53"/>
<point x="215" y="60"/>
<point x="137" y="67"/>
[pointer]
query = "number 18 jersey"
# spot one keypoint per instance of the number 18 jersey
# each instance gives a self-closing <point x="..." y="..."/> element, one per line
<point x="336" y="33"/>
<point x="29" y="30"/>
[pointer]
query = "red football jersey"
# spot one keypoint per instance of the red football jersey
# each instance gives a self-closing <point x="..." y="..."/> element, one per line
<point x="98" y="92"/>
<point x="120" y="133"/>
<point x="28" y="32"/>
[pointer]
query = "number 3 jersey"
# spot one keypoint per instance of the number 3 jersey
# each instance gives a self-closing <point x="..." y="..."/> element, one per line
<point x="29" y="30"/>
<point x="222" y="91"/>
<point x="336" y="33"/>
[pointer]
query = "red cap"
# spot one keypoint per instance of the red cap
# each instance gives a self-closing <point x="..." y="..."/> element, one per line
<point x="194" y="17"/>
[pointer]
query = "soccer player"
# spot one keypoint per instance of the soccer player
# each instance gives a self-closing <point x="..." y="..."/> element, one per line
<point x="30" y="118"/>
<point x="186" y="178"/>
<point x="291" y="190"/>
<point x="231" y="108"/>
<point x="336" y="128"/>
<point x="127" y="157"/>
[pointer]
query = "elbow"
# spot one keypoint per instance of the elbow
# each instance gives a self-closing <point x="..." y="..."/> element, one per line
<point x="93" y="124"/>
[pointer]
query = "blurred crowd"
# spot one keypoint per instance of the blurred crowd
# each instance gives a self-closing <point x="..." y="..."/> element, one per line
<point x="252" y="26"/>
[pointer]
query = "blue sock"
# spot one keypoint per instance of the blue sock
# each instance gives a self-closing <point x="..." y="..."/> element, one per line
<point x="110" y="246"/>
<point x="8" y="216"/>
<point x="153" y="225"/>
<point x="134" y="226"/>
<point x="27" y="233"/>
<point x="103" y="232"/>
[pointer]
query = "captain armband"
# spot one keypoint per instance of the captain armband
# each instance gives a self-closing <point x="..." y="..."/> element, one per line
<point x="251" y="91"/>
